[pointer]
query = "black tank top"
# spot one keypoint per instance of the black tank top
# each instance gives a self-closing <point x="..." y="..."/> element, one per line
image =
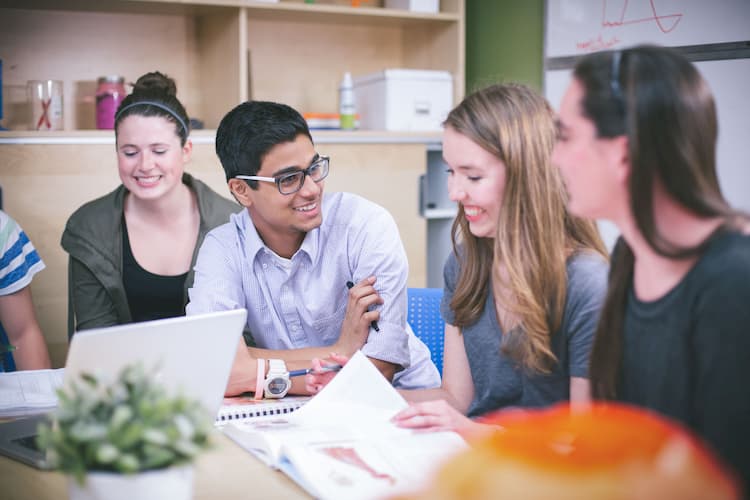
<point x="150" y="296"/>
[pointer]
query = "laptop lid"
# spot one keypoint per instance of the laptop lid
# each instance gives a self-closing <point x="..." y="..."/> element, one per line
<point x="190" y="355"/>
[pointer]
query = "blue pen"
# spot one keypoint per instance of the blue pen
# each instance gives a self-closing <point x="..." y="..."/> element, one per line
<point x="373" y="324"/>
<point x="328" y="368"/>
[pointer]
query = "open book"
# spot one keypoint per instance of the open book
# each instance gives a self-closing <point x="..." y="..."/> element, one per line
<point x="342" y="445"/>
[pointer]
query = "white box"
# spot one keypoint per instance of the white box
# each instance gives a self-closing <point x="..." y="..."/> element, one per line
<point x="414" y="5"/>
<point x="404" y="99"/>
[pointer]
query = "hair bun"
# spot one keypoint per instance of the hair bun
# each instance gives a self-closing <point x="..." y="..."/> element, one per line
<point x="155" y="83"/>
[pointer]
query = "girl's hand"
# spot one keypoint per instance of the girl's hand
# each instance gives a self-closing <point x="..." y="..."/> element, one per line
<point x="438" y="415"/>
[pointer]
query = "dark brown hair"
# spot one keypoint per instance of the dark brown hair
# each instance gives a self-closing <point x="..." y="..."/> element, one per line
<point x="658" y="99"/>
<point x="155" y="94"/>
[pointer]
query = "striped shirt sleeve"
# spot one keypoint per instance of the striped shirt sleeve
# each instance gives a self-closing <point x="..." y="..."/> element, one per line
<point x="19" y="260"/>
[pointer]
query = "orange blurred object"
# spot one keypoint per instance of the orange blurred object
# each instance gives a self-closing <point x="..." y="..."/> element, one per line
<point x="596" y="451"/>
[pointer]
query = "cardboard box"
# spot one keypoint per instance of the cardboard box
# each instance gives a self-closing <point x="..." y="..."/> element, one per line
<point x="404" y="99"/>
<point x="414" y="5"/>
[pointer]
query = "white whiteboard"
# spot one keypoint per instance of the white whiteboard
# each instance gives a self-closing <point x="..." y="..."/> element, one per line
<point x="730" y="82"/>
<point x="575" y="27"/>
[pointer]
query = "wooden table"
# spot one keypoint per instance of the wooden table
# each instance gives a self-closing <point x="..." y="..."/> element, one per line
<point x="226" y="471"/>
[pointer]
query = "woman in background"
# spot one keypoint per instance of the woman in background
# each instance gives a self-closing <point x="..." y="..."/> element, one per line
<point x="132" y="251"/>
<point x="525" y="282"/>
<point x="637" y="146"/>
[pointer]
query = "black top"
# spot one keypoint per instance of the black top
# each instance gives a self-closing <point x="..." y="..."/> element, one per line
<point x="150" y="296"/>
<point x="687" y="354"/>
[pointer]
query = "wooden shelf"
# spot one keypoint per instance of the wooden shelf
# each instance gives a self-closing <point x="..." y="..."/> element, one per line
<point x="281" y="11"/>
<point x="220" y="52"/>
<point x="207" y="136"/>
<point x="284" y="11"/>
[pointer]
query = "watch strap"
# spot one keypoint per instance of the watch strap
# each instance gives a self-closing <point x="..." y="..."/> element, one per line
<point x="276" y="367"/>
<point x="260" y="378"/>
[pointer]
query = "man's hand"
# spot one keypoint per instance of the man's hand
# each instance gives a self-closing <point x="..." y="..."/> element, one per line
<point x="356" y="326"/>
<point x="318" y="379"/>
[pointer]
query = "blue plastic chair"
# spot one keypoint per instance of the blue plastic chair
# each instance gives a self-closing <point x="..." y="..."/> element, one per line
<point x="424" y="318"/>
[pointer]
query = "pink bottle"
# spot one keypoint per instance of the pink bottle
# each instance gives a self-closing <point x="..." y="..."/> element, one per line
<point x="109" y="94"/>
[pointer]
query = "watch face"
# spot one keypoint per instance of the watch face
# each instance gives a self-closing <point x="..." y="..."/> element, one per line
<point x="277" y="385"/>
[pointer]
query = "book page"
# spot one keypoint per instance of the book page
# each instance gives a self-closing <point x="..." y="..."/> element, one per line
<point x="359" y="384"/>
<point x="341" y="444"/>
<point x="29" y="392"/>
<point x="372" y="468"/>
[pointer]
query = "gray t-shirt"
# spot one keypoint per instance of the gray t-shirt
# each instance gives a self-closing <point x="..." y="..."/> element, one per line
<point x="498" y="381"/>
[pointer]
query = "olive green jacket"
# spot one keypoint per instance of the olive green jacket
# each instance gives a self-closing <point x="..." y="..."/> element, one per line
<point x="93" y="240"/>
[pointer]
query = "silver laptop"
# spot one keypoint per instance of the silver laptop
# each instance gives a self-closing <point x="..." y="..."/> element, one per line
<point x="191" y="355"/>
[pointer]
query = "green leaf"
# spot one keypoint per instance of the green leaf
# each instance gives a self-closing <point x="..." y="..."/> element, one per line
<point x="127" y="464"/>
<point x="87" y="431"/>
<point x="156" y="457"/>
<point x="106" y="453"/>
<point x="120" y="417"/>
<point x="155" y="436"/>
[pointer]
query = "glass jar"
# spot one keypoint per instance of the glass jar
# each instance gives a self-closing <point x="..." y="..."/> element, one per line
<point x="46" y="102"/>
<point x="109" y="94"/>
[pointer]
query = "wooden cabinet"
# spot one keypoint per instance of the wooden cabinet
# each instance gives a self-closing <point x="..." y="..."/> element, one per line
<point x="220" y="52"/>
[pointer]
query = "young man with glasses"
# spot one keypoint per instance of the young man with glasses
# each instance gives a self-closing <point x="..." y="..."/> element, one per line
<point x="290" y="256"/>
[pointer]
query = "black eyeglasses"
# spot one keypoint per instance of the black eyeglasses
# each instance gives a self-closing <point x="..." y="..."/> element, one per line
<point x="292" y="182"/>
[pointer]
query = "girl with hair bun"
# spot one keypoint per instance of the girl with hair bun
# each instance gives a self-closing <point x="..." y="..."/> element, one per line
<point x="131" y="252"/>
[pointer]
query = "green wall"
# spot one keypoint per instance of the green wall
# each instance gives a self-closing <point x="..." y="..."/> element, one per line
<point x="504" y="42"/>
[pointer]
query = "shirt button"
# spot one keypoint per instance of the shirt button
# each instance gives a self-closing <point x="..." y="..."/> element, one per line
<point x="294" y="328"/>
<point x="265" y="266"/>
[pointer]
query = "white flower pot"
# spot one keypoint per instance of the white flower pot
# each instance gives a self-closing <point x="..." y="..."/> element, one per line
<point x="172" y="483"/>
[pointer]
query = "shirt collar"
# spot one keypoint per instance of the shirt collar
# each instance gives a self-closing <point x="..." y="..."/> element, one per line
<point x="253" y="243"/>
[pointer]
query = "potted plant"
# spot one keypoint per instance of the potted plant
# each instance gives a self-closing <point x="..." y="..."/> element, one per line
<point x="125" y="438"/>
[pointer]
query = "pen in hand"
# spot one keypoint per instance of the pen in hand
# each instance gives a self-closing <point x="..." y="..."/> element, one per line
<point x="328" y="368"/>
<point x="373" y="323"/>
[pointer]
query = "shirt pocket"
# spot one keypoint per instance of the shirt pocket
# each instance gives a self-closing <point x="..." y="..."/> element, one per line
<point x="327" y="325"/>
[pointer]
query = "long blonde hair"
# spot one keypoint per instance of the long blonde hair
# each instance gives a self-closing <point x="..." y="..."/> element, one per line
<point x="535" y="233"/>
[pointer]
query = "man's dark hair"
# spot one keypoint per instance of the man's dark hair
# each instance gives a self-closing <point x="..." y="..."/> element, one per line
<point x="249" y="131"/>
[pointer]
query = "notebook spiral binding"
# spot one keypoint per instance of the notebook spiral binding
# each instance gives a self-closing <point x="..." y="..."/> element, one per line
<point x="239" y="409"/>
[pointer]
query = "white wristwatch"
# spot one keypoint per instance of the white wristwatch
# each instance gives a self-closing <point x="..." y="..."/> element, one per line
<point x="277" y="382"/>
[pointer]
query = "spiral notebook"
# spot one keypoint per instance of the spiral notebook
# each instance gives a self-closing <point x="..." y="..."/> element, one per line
<point x="238" y="409"/>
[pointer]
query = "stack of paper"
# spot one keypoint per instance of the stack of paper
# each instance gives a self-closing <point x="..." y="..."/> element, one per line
<point x="29" y="392"/>
<point x="342" y="444"/>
